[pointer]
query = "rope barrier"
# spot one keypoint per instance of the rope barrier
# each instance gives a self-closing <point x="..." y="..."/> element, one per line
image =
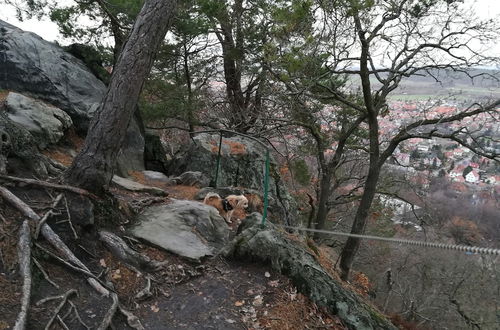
<point x="465" y="248"/>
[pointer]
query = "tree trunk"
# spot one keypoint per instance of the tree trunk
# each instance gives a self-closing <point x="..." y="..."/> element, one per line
<point x="358" y="227"/>
<point x="324" y="195"/>
<point x="93" y="167"/>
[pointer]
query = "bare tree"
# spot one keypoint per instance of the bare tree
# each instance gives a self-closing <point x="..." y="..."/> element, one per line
<point x="367" y="49"/>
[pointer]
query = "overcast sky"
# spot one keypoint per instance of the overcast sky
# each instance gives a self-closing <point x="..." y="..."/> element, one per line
<point x="46" y="29"/>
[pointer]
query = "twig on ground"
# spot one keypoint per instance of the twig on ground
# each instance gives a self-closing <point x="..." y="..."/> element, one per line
<point x="64" y="250"/>
<point x="121" y="250"/>
<point x="69" y="219"/>
<point x="56" y="186"/>
<point x="51" y="237"/>
<point x="146" y="292"/>
<point x="45" y="275"/>
<point x="64" y="298"/>
<point x="24" y="252"/>
<point x="132" y="320"/>
<point x="61" y="322"/>
<point x="88" y="252"/>
<point x="3" y="219"/>
<point x="75" y="268"/>
<point x="47" y="215"/>
<point x="109" y="315"/>
<point x="78" y="315"/>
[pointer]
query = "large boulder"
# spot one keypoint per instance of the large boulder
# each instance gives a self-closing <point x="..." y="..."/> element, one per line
<point x="46" y="123"/>
<point x="241" y="165"/>
<point x="155" y="155"/>
<point x="271" y="245"/>
<point x="190" y="229"/>
<point x="43" y="70"/>
<point x="18" y="148"/>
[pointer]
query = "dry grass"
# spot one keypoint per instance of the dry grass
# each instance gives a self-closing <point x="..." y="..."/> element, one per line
<point x="235" y="148"/>
<point x="125" y="281"/>
<point x="292" y="310"/>
<point x="3" y="95"/>
<point x="183" y="192"/>
<point x="59" y="156"/>
<point x="74" y="139"/>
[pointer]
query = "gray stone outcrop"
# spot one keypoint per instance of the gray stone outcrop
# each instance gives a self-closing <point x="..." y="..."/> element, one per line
<point x="46" y="123"/>
<point x="241" y="165"/>
<point x="290" y="257"/>
<point x="190" y="229"/>
<point x="44" y="71"/>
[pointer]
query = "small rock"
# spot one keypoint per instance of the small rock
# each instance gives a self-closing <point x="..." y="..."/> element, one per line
<point x="266" y="274"/>
<point x="258" y="301"/>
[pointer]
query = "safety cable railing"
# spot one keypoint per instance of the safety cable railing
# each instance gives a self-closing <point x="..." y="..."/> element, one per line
<point x="471" y="249"/>
<point x="466" y="248"/>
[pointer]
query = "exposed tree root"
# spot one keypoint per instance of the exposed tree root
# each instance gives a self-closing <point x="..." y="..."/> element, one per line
<point x="75" y="310"/>
<point x="109" y="315"/>
<point x="122" y="251"/>
<point x="52" y="237"/>
<point x="24" y="251"/>
<point x="44" y="273"/>
<point x="77" y="269"/>
<point x="64" y="298"/>
<point x="132" y="320"/>
<point x="74" y="263"/>
<point x="46" y="184"/>
<point x="75" y="235"/>
<point x="146" y="292"/>
<point x="47" y="215"/>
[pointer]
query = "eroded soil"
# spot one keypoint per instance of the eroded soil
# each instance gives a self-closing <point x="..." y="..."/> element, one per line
<point x="216" y="294"/>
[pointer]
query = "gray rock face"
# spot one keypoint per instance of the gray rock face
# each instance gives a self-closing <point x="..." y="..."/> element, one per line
<point x="190" y="229"/>
<point x="46" y="123"/>
<point x="5" y="147"/>
<point x="18" y="144"/>
<point x="131" y="155"/>
<point x="155" y="154"/>
<point x="195" y="179"/>
<point x="289" y="257"/>
<point x="136" y="186"/>
<point x="157" y="176"/>
<point x="241" y="165"/>
<point x="42" y="69"/>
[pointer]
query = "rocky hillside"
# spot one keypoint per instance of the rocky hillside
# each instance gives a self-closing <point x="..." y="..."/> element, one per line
<point x="149" y="255"/>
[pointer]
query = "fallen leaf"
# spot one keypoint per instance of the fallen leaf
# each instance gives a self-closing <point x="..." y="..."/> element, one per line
<point x="102" y="262"/>
<point x="239" y="303"/>
<point x="116" y="274"/>
<point x="273" y="284"/>
<point x="258" y="301"/>
<point x="155" y="308"/>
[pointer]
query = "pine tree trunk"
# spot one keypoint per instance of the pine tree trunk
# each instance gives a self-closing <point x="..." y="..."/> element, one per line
<point x="323" y="209"/>
<point x="93" y="167"/>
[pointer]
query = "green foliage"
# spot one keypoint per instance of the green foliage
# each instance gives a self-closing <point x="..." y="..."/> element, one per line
<point x="301" y="172"/>
<point x="84" y="21"/>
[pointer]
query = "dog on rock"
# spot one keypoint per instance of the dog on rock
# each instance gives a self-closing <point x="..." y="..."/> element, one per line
<point x="226" y="206"/>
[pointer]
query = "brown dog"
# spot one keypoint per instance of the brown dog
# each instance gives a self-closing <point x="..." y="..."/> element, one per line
<point x="226" y="206"/>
